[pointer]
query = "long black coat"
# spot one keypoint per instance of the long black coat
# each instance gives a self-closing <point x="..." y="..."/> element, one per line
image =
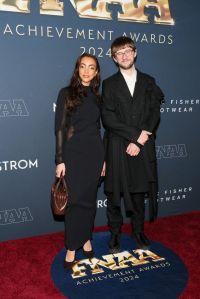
<point x="124" y="117"/>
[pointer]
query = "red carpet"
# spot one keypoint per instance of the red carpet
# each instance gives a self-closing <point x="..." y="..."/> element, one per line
<point x="25" y="264"/>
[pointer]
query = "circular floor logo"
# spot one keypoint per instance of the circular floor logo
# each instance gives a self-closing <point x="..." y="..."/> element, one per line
<point x="132" y="273"/>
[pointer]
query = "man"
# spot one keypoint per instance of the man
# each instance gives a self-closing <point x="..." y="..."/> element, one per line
<point x="130" y="113"/>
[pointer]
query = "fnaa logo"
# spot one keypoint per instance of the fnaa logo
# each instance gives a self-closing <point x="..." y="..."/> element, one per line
<point x="113" y="262"/>
<point x="15" y="216"/>
<point x="13" y="108"/>
<point x="131" y="273"/>
<point x="101" y="9"/>
<point x="171" y="151"/>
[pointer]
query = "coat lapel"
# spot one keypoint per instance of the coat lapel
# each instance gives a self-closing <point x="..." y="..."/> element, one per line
<point x="123" y="86"/>
<point x="138" y="85"/>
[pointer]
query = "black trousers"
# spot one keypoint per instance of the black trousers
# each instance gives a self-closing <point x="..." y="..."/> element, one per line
<point x="115" y="218"/>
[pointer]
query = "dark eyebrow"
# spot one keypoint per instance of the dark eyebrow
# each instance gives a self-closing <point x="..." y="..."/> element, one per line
<point x="89" y="64"/>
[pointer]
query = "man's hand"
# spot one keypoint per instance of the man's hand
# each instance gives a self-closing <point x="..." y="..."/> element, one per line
<point x="132" y="149"/>
<point x="144" y="137"/>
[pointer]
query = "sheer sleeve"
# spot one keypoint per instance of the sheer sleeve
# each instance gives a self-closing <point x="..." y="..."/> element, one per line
<point x="60" y="126"/>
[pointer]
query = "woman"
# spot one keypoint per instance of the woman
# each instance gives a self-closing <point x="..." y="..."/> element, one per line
<point x="79" y="153"/>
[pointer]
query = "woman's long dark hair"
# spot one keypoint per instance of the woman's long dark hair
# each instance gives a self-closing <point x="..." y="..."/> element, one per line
<point x="76" y="90"/>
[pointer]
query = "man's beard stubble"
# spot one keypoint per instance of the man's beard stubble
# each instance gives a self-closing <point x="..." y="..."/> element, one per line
<point x="126" y="67"/>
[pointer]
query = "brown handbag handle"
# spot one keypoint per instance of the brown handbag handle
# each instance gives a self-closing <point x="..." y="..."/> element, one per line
<point x="59" y="181"/>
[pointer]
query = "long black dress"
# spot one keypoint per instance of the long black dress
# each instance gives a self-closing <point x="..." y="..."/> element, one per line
<point x="79" y="146"/>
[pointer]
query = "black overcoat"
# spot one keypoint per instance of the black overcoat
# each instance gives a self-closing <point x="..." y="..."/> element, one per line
<point x="124" y="117"/>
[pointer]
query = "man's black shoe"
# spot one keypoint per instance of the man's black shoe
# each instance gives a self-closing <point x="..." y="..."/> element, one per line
<point x="141" y="241"/>
<point x="114" y="243"/>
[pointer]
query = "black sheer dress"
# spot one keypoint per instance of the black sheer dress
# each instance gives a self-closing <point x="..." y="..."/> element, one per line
<point x="79" y="146"/>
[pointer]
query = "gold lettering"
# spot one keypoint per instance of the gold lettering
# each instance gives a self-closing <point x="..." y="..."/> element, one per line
<point x="162" y="7"/>
<point x="127" y="9"/>
<point x="15" y="5"/>
<point x="110" y="262"/>
<point x="124" y="259"/>
<point x="147" y="254"/>
<point x="78" y="270"/>
<point x="130" y="12"/>
<point x="94" y="264"/>
<point x="52" y="7"/>
<point x="84" y="8"/>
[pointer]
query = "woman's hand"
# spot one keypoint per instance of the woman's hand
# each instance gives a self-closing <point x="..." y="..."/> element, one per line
<point x="132" y="149"/>
<point x="103" y="172"/>
<point x="60" y="169"/>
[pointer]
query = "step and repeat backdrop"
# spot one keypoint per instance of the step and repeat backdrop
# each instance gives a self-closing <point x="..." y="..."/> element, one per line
<point x="39" y="43"/>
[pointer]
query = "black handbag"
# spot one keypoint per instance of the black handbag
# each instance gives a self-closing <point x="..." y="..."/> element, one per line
<point x="59" y="196"/>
